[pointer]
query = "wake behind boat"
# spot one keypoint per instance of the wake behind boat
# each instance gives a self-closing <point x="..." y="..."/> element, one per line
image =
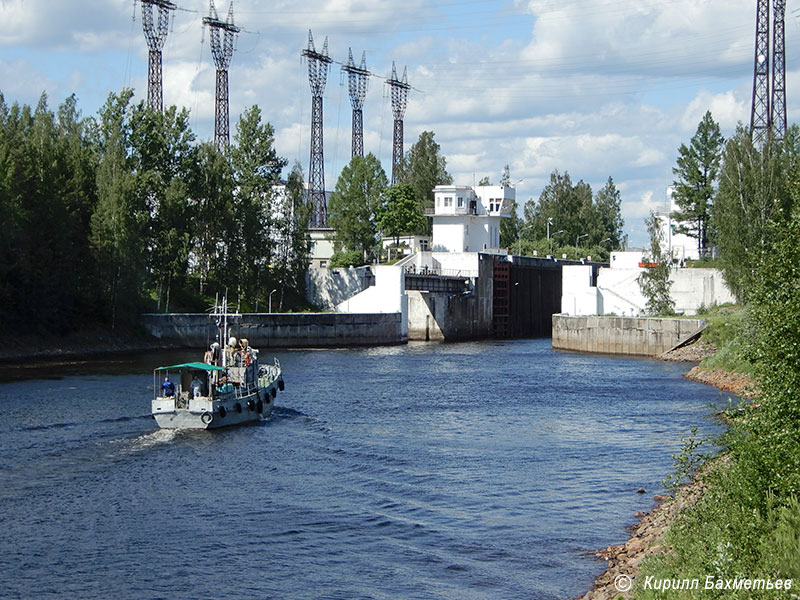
<point x="229" y="387"/>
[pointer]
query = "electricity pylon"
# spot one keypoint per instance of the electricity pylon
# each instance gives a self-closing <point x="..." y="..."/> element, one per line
<point x="156" y="34"/>
<point x="222" y="39"/>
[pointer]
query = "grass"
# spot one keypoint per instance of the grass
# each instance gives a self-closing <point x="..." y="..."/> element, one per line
<point x="746" y="525"/>
<point x="729" y="330"/>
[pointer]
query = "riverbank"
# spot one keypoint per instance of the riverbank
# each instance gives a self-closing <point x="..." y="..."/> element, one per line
<point x="647" y="539"/>
<point x="623" y="561"/>
<point x="79" y="345"/>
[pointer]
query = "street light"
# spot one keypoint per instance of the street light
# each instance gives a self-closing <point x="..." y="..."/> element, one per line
<point x="577" y="239"/>
<point x="549" y="239"/>
<point x="270" y="299"/>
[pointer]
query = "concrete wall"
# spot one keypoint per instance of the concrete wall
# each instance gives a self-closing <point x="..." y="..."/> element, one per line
<point x="618" y="292"/>
<point x="640" y="336"/>
<point x="328" y="287"/>
<point x="388" y="295"/>
<point x="448" y="316"/>
<point x="301" y="330"/>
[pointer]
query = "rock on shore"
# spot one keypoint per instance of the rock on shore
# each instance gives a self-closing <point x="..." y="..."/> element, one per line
<point x="647" y="538"/>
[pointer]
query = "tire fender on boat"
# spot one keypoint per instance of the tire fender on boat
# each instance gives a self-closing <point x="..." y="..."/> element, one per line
<point x="260" y="406"/>
<point x="206" y="417"/>
<point x="251" y="405"/>
<point x="238" y="407"/>
<point x="280" y="384"/>
<point x="222" y="412"/>
<point x="274" y="392"/>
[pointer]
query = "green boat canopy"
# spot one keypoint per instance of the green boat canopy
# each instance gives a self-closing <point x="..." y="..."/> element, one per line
<point x="192" y="365"/>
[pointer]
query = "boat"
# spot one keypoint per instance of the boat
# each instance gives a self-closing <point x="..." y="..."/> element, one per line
<point x="229" y="387"/>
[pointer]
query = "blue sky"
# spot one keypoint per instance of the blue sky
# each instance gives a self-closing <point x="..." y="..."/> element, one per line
<point x="597" y="88"/>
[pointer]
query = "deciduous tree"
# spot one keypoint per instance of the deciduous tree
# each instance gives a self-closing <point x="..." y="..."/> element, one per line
<point x="355" y="204"/>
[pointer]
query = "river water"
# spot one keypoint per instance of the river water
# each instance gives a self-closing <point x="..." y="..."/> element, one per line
<point x="478" y="470"/>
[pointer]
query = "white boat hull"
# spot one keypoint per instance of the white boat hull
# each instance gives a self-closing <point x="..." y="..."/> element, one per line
<point x="221" y="411"/>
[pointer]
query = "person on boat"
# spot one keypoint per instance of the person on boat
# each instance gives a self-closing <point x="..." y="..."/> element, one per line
<point x="211" y="357"/>
<point x="168" y="387"/>
<point x="223" y="386"/>
<point x="197" y="387"/>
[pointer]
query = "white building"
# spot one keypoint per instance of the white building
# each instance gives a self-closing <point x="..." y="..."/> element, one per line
<point x="467" y="219"/>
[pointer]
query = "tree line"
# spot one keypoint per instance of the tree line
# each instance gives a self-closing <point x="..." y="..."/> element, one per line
<point x="363" y="209"/>
<point x="111" y="215"/>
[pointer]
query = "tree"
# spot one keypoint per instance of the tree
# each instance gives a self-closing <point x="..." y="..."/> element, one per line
<point x="608" y="205"/>
<point x="654" y="280"/>
<point x="400" y="214"/>
<point x="119" y="222"/>
<point x="485" y="181"/>
<point x="505" y="180"/>
<point x="161" y="156"/>
<point x="573" y="213"/>
<point x="423" y="168"/>
<point x="256" y="169"/>
<point x="293" y="242"/>
<point x="355" y="204"/>
<point x="754" y="194"/>
<point x="214" y="227"/>
<point x="697" y="172"/>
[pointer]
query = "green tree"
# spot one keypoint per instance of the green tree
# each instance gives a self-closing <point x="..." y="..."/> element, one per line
<point x="654" y="281"/>
<point x="294" y="243"/>
<point x="119" y="223"/>
<point x="608" y="206"/>
<point x="423" y="168"/>
<point x="753" y="195"/>
<point x="485" y="181"/>
<point x="574" y="214"/>
<point x="697" y="172"/>
<point x="400" y="214"/>
<point x="214" y="229"/>
<point x="505" y="179"/>
<point x="256" y="169"/>
<point x="161" y="156"/>
<point x="355" y="204"/>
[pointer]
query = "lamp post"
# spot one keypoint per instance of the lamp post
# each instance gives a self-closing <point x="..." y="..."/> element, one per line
<point x="577" y="239"/>
<point x="270" y="299"/>
<point x="550" y="244"/>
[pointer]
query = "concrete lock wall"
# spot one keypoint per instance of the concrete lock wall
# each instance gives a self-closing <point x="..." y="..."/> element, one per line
<point x="449" y="316"/>
<point x="328" y="287"/>
<point x="302" y="330"/>
<point x="639" y="336"/>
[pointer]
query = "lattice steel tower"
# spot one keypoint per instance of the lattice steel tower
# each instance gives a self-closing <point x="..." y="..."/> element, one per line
<point x="318" y="65"/>
<point x="357" y="81"/>
<point x="222" y="38"/>
<point x="400" y="89"/>
<point x="778" y="119"/>
<point x="156" y="35"/>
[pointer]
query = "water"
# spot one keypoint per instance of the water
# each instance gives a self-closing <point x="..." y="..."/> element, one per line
<point x="459" y="471"/>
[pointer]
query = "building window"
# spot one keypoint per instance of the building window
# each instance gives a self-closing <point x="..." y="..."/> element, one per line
<point x="460" y="202"/>
<point x="423" y="245"/>
<point x="448" y="201"/>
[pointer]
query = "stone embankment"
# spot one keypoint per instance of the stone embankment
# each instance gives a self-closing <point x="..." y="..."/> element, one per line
<point x="647" y="536"/>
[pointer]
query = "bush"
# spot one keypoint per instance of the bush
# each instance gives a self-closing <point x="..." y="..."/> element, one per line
<point x="353" y="258"/>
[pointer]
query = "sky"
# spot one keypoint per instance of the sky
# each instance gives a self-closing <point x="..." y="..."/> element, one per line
<point x="595" y="88"/>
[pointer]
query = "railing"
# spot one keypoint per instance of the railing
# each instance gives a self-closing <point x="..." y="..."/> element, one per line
<point x="437" y="272"/>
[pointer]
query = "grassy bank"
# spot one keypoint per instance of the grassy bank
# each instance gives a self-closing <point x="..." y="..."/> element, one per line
<point x="744" y="530"/>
